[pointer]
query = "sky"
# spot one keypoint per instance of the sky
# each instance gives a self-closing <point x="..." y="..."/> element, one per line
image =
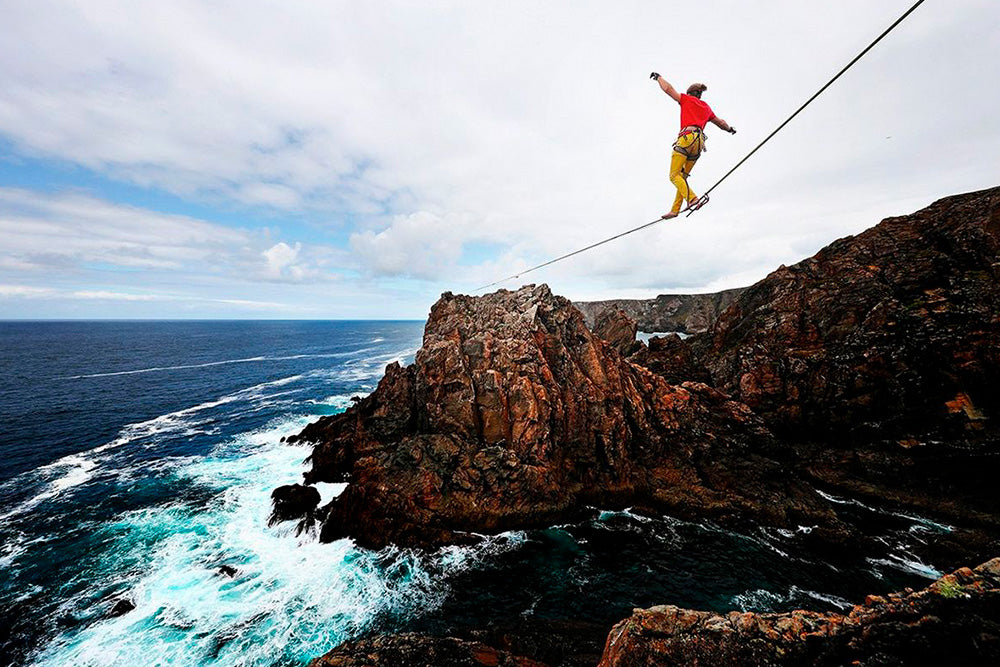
<point x="353" y="160"/>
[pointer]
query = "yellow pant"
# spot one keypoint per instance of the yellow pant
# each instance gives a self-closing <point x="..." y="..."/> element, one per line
<point x="681" y="163"/>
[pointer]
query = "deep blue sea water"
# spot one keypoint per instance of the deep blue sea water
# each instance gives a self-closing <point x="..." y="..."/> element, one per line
<point x="138" y="458"/>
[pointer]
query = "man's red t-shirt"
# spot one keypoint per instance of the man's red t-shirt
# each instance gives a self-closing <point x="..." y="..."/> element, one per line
<point x="694" y="112"/>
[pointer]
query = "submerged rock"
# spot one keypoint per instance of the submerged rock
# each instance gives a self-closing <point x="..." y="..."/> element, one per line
<point x="954" y="621"/>
<point x="121" y="607"/>
<point x="293" y="501"/>
<point x="515" y="415"/>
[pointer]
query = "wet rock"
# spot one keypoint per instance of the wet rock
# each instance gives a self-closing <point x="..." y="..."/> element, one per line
<point x="515" y="415"/>
<point x="228" y="571"/>
<point x="412" y="650"/>
<point x="559" y="643"/>
<point x="121" y="607"/>
<point x="954" y="621"/>
<point x="293" y="501"/>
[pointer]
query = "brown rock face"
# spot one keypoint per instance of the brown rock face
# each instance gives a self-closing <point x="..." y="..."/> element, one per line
<point x="686" y="313"/>
<point x="515" y="415"/>
<point x="891" y="333"/>
<point x="671" y="358"/>
<point x="618" y="329"/>
<point x="954" y="621"/>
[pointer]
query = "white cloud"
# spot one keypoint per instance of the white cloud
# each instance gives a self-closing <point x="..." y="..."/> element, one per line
<point x="69" y="233"/>
<point x="113" y="296"/>
<point x="427" y="127"/>
<point x="421" y="245"/>
<point x="281" y="259"/>
<point x="24" y="291"/>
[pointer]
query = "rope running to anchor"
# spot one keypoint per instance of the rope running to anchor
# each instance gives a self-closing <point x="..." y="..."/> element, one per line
<point x="738" y="164"/>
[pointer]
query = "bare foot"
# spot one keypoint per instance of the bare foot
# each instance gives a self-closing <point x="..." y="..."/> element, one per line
<point x="668" y="216"/>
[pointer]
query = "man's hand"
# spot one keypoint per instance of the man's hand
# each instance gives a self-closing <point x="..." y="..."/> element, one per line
<point x="654" y="76"/>
<point x="732" y="130"/>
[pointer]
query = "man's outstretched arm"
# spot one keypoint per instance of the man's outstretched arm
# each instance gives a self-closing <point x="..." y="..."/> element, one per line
<point x="666" y="87"/>
<point x="724" y="125"/>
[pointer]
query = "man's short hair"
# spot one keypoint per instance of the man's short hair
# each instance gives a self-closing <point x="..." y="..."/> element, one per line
<point x="696" y="89"/>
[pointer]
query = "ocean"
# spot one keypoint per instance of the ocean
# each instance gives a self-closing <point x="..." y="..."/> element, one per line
<point x="138" y="459"/>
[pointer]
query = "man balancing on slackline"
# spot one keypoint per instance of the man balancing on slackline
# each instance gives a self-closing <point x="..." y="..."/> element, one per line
<point x="690" y="142"/>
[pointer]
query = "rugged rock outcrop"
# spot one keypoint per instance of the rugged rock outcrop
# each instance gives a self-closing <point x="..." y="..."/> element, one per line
<point x="121" y="607"/>
<point x="888" y="334"/>
<point x="671" y="358"/>
<point x="684" y="313"/>
<point x="954" y="621"/>
<point x="618" y="330"/>
<point x="877" y="359"/>
<point x="294" y="501"/>
<point x="515" y="415"/>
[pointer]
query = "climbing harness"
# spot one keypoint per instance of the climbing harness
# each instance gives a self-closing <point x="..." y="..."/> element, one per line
<point x="692" y="149"/>
<point x="701" y="201"/>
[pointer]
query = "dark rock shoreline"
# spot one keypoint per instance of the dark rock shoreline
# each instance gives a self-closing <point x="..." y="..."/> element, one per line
<point x="870" y="368"/>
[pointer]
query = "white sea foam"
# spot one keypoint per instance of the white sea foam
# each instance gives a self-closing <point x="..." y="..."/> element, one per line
<point x="342" y="401"/>
<point x="846" y="501"/>
<point x="329" y="491"/>
<point x="759" y="599"/>
<point x="904" y="563"/>
<point x="11" y="549"/>
<point x="223" y="362"/>
<point x="292" y="598"/>
<point x="764" y="600"/>
<point x="60" y="476"/>
<point x="75" y="470"/>
<point x="920" y="524"/>
<point x="826" y="598"/>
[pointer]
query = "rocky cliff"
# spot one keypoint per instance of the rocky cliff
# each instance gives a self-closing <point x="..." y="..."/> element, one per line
<point x="515" y="415"/>
<point x="684" y="313"/>
<point x="877" y="359"/>
<point x="891" y="333"/>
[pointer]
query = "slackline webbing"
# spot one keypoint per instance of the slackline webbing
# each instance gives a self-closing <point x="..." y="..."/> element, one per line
<point x="738" y="164"/>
